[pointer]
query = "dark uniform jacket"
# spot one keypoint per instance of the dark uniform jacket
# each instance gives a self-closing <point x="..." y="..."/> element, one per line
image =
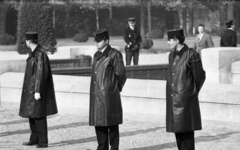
<point x="108" y="79"/>
<point x="132" y="36"/>
<point x="38" y="79"/>
<point x="228" y="38"/>
<point x="185" y="79"/>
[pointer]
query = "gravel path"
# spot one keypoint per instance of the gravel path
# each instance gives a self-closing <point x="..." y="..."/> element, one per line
<point x="138" y="132"/>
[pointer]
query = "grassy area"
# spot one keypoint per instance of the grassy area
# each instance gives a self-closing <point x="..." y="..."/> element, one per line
<point x="160" y="45"/>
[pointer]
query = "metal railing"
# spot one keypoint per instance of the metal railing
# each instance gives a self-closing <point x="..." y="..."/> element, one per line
<point x="153" y="72"/>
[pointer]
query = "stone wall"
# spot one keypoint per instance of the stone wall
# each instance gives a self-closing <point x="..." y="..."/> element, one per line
<point x="217" y="101"/>
<point x="217" y="63"/>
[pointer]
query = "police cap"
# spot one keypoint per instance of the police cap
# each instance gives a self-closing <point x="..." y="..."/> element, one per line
<point x="178" y="33"/>
<point x="131" y="19"/>
<point x="100" y="35"/>
<point x="229" y="22"/>
<point x="30" y="35"/>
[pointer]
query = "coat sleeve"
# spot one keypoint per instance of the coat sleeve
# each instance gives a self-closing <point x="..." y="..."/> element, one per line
<point x="39" y="73"/>
<point x="140" y="37"/>
<point x="209" y="41"/>
<point x="125" y="36"/>
<point x="195" y="44"/>
<point x="234" y="40"/>
<point x="197" y="70"/>
<point x="221" y="41"/>
<point x="119" y="70"/>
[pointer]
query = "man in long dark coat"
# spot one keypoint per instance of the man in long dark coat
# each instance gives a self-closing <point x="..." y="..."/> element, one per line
<point x="108" y="79"/>
<point x="184" y="81"/>
<point x="38" y="96"/>
<point x="229" y="36"/>
<point x="133" y="39"/>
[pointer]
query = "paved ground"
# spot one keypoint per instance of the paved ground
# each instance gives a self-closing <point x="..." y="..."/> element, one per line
<point x="139" y="132"/>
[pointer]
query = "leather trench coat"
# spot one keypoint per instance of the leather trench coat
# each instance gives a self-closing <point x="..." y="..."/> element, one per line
<point x="107" y="81"/>
<point x="38" y="78"/>
<point x="185" y="79"/>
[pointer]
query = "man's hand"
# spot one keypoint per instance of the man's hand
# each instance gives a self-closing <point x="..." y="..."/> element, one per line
<point x="129" y="44"/>
<point x="37" y="96"/>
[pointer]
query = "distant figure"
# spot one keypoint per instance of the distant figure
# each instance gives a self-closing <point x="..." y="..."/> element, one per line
<point x="229" y="36"/>
<point x="184" y="81"/>
<point x="107" y="81"/>
<point x="38" y="95"/>
<point x="203" y="40"/>
<point x="133" y="39"/>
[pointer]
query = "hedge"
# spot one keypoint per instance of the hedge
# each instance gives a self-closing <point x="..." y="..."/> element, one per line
<point x="36" y="15"/>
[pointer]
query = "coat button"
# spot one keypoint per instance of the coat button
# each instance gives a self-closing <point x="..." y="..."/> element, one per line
<point x="171" y="94"/>
<point x="94" y="82"/>
<point x="172" y="73"/>
<point x="172" y="84"/>
<point x="95" y="71"/>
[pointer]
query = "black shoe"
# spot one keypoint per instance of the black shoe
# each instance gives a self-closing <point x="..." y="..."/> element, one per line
<point x="42" y="145"/>
<point x="30" y="143"/>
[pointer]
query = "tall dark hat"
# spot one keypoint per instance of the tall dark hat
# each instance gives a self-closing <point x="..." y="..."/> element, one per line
<point x="100" y="35"/>
<point x="178" y="33"/>
<point x="30" y="35"/>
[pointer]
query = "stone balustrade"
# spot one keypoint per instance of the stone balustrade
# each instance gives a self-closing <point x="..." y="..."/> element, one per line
<point x="217" y="101"/>
<point x="217" y="63"/>
<point x="13" y="62"/>
<point x="235" y="69"/>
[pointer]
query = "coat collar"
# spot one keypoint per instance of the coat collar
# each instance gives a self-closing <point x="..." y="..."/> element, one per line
<point x="180" y="53"/>
<point x="105" y="52"/>
<point x="32" y="53"/>
<point x="36" y="49"/>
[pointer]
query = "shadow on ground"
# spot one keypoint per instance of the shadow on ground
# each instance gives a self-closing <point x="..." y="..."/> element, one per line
<point x="91" y="139"/>
<point x="70" y="125"/>
<point x="197" y="140"/>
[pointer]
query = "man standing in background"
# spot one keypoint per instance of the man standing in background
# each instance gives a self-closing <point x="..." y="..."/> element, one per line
<point x="229" y="36"/>
<point x="133" y="39"/>
<point x="203" y="40"/>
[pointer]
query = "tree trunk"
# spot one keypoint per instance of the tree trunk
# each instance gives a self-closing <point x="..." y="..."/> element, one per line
<point x="142" y="30"/>
<point x="149" y="17"/>
<point x="237" y="12"/>
<point x="180" y="18"/>
<point x="110" y="19"/>
<point x="97" y="18"/>
<point x="230" y="11"/>
<point x="54" y="18"/>
<point x="184" y="21"/>
<point x="223" y="16"/>
<point x="67" y="20"/>
<point x="190" y="20"/>
<point x="3" y="13"/>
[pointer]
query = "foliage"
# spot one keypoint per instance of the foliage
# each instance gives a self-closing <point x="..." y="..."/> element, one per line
<point x="6" y="39"/>
<point x="156" y="34"/>
<point x="81" y="37"/>
<point x="11" y="20"/>
<point x="36" y="15"/>
<point x="147" y="43"/>
<point x="79" y="19"/>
